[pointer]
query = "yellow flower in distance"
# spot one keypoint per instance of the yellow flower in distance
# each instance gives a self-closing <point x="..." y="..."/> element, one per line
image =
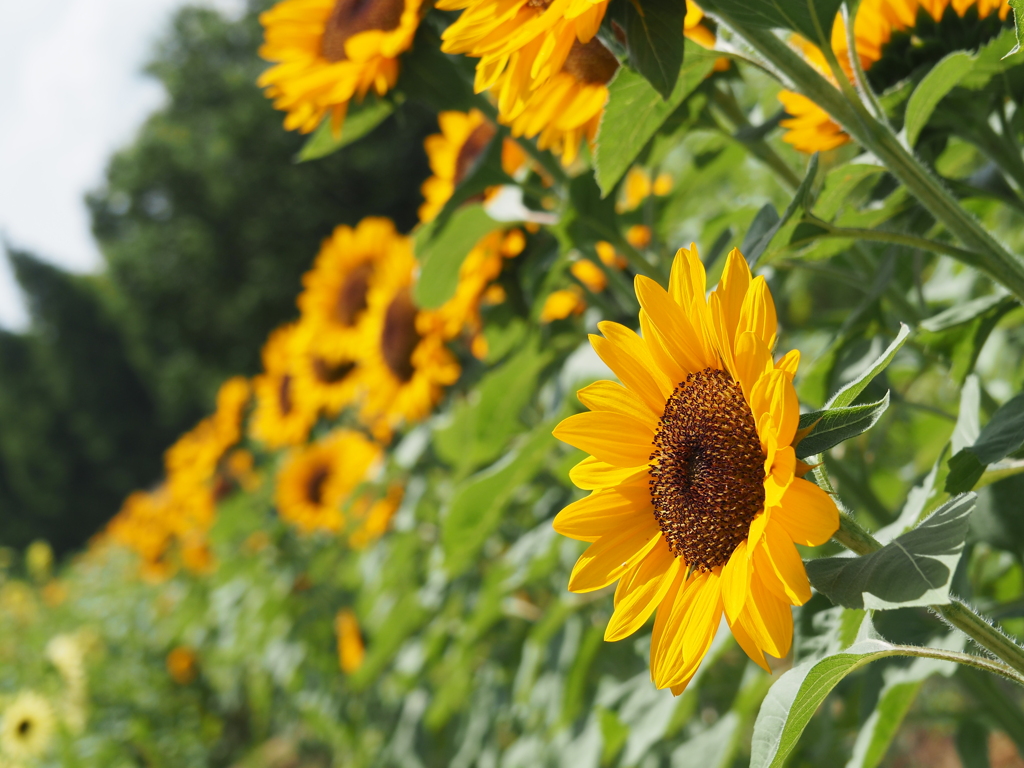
<point x="562" y="303"/>
<point x="892" y="38"/>
<point x="182" y="665"/>
<point x="27" y="727"/>
<point x="329" y="52"/>
<point x="695" y="504"/>
<point x="452" y="153"/>
<point x="351" y="648"/>
<point x="317" y="479"/>
<point x="373" y="518"/>
<point x="566" y="108"/>
<point x="145" y="524"/>
<point x="591" y="275"/>
<point x="281" y="416"/>
<point x="406" y="361"/>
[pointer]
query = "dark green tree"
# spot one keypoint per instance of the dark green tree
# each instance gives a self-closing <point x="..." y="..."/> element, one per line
<point x="207" y="222"/>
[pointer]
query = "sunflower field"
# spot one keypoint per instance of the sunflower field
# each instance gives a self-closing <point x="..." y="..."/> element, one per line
<point x="771" y="511"/>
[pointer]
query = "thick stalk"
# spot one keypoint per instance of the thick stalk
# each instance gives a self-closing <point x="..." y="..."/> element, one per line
<point x="879" y="139"/>
<point x="956" y="613"/>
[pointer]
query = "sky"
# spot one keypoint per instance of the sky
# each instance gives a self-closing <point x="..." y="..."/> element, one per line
<point x="73" y="94"/>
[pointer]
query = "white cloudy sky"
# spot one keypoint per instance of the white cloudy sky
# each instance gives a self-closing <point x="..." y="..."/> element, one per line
<point x="72" y="95"/>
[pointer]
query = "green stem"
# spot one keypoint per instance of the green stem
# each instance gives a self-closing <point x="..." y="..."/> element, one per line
<point x="863" y="86"/>
<point x="854" y="537"/>
<point x="883" y="143"/>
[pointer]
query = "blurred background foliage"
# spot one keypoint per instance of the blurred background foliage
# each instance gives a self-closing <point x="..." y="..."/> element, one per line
<point x="205" y="224"/>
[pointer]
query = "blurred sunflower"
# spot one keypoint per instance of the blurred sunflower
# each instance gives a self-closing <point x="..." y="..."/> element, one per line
<point x="316" y="479"/>
<point x="27" y="727"/>
<point x="567" y="107"/>
<point x="182" y="664"/>
<point x="562" y="303"/>
<point x="452" y="153"/>
<point x="893" y="38"/>
<point x="144" y="525"/>
<point x="281" y="416"/>
<point x="329" y="52"/>
<point x="482" y="265"/>
<point x="326" y="375"/>
<point x="406" y="361"/>
<point x="351" y="648"/>
<point x="335" y="290"/>
<point x="372" y="518"/>
<point x="696" y="503"/>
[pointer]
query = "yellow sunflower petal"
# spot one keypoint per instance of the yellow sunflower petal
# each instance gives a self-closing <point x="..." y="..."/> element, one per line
<point x="592" y="474"/>
<point x="753" y="360"/>
<point x="789" y="362"/>
<point x="609" y="396"/>
<point x="692" y="626"/>
<point x="746" y="641"/>
<point x="608" y="558"/>
<point x="783" y="470"/>
<point x="773" y="395"/>
<point x="736" y="575"/>
<point x="779" y="566"/>
<point x="628" y="357"/>
<point x="672" y="323"/>
<point x="603" y="512"/>
<point x="808" y="514"/>
<point x="768" y="619"/>
<point x="649" y="584"/>
<point x="732" y="289"/>
<point x="618" y="439"/>
<point x="757" y="314"/>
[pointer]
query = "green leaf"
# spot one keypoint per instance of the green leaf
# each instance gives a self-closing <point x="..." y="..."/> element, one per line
<point x="635" y="111"/>
<point x="1003" y="435"/>
<point x="434" y="78"/>
<point x="833" y="426"/>
<point x="943" y="78"/>
<point x="851" y="391"/>
<point x="811" y="18"/>
<point x="840" y="183"/>
<point x="914" y="569"/>
<point x="964" y="312"/>
<point x="482" y="424"/>
<point x="899" y="690"/>
<point x="442" y="249"/>
<point x="793" y="700"/>
<point x="767" y="223"/>
<point x="1018" y="25"/>
<point x="654" y="36"/>
<point x="360" y="121"/>
<point x="477" y="506"/>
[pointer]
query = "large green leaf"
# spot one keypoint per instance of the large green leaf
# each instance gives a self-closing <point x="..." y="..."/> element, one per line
<point x="834" y="425"/>
<point x="1003" y="435"/>
<point x="635" y="111"/>
<point x="914" y="569"/>
<point x="478" y="504"/>
<point x="360" y="120"/>
<point x="654" y="36"/>
<point x="793" y="700"/>
<point x="1018" y="24"/>
<point x="811" y="18"/>
<point x="849" y="393"/>
<point x="442" y="249"/>
<point x="943" y="78"/>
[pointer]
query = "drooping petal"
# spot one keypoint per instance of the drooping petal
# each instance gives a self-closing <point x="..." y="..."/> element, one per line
<point x="778" y="565"/>
<point x="608" y="558"/>
<point x="648" y="586"/>
<point x="612" y="437"/>
<point x="808" y="514"/>
<point x="736" y="581"/>
<point x="697" y="624"/>
<point x="768" y="619"/>
<point x="746" y="641"/>
<point x="603" y="512"/>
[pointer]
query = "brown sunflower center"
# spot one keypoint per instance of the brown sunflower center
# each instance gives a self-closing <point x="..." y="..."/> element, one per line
<point x="590" y="62"/>
<point x="24" y="727"/>
<point x="400" y="337"/>
<point x="284" y="395"/>
<point x="331" y="373"/>
<point x="707" y="469"/>
<point x="352" y="295"/>
<point x="350" y="17"/>
<point x="315" y="485"/>
<point x="471" y="150"/>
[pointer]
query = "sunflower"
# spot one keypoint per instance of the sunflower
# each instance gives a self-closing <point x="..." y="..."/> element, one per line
<point x="639" y="186"/>
<point x="407" y="364"/>
<point x="335" y="290"/>
<point x="567" y="107"/>
<point x="351" y="648"/>
<point x="374" y="517"/>
<point x="182" y="664"/>
<point x="695" y="501"/>
<point x="893" y="38"/>
<point x="452" y="153"/>
<point x="326" y="375"/>
<point x="482" y="265"/>
<point x="316" y="479"/>
<point x="328" y="52"/>
<point x="28" y="726"/>
<point x="281" y="416"/>
<point x="144" y="525"/>
<point x="562" y="303"/>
